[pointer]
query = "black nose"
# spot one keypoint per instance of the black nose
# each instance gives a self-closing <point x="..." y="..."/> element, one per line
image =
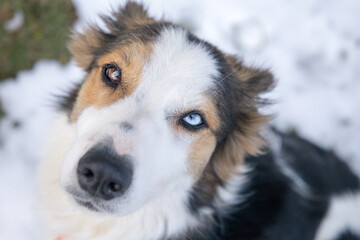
<point x="103" y="173"/>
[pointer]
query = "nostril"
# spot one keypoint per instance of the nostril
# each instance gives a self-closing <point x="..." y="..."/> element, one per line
<point x="88" y="174"/>
<point x="111" y="190"/>
<point x="114" y="187"/>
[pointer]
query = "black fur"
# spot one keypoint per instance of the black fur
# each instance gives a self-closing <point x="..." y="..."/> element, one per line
<point x="271" y="208"/>
<point x="67" y="101"/>
<point x="270" y="205"/>
<point x="220" y="93"/>
<point x="347" y="235"/>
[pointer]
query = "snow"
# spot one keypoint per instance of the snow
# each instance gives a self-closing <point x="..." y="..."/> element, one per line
<point x="15" y="22"/>
<point x="29" y="101"/>
<point x="312" y="48"/>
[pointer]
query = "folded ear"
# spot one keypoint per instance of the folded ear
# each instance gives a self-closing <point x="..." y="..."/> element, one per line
<point x="85" y="46"/>
<point x="128" y="17"/>
<point x="253" y="81"/>
<point x="245" y="85"/>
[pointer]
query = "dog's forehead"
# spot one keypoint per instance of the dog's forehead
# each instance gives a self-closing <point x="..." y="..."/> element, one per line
<point x="178" y="69"/>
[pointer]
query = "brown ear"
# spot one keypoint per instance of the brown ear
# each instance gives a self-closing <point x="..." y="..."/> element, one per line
<point x="85" y="46"/>
<point x="243" y="137"/>
<point x="246" y="86"/>
<point x="254" y="81"/>
<point x="128" y="17"/>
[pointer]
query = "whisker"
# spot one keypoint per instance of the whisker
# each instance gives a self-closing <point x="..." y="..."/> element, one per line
<point x="224" y="78"/>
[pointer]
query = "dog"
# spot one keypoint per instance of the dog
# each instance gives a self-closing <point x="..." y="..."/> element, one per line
<point x="164" y="139"/>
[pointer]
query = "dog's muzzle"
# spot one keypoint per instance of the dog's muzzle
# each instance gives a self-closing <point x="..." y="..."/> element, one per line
<point x="103" y="173"/>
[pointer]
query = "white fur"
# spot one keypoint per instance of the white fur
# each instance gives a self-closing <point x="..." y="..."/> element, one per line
<point x="299" y="185"/>
<point x="175" y="80"/>
<point x="228" y="194"/>
<point x="159" y="218"/>
<point x="343" y="214"/>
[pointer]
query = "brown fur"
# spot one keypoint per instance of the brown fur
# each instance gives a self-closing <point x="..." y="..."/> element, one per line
<point x="94" y="92"/>
<point x="244" y="137"/>
<point x="200" y="152"/>
<point x="132" y="28"/>
<point x="94" y="48"/>
<point x="82" y="46"/>
<point x="131" y="16"/>
<point x="85" y="47"/>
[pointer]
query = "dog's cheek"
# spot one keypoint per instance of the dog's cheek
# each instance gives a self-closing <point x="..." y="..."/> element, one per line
<point x="93" y="92"/>
<point x="200" y="152"/>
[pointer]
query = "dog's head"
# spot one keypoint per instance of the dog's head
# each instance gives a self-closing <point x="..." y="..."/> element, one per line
<point x="160" y="112"/>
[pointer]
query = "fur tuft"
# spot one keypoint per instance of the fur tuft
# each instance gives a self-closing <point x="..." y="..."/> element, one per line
<point x="94" y="42"/>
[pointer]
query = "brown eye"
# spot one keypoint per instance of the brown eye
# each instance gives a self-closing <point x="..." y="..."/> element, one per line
<point x="111" y="75"/>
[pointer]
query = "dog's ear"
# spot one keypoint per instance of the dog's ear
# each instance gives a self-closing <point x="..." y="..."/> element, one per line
<point x="85" y="46"/>
<point x="251" y="81"/>
<point x="128" y="17"/>
<point x="245" y="85"/>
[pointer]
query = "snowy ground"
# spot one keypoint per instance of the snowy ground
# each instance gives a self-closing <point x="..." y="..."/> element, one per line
<point x="312" y="48"/>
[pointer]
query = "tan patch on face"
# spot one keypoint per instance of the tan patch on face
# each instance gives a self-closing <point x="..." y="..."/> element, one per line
<point x="200" y="152"/>
<point x="131" y="59"/>
<point x="211" y="116"/>
<point x="231" y="154"/>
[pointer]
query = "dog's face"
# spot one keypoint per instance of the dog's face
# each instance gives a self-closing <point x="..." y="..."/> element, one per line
<point x="156" y="108"/>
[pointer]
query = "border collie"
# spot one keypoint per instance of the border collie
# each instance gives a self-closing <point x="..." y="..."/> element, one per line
<point x="164" y="140"/>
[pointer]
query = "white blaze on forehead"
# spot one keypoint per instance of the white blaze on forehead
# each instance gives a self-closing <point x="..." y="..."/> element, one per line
<point x="178" y="70"/>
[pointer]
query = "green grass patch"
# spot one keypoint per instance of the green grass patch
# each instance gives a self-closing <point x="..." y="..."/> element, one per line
<point x="43" y="35"/>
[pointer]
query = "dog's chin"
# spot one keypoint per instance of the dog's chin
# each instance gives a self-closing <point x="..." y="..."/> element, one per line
<point x="103" y="208"/>
<point x="90" y="207"/>
<point x="121" y="206"/>
<point x="83" y="201"/>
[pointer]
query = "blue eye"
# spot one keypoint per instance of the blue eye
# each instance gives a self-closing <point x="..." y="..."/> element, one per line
<point x="192" y="121"/>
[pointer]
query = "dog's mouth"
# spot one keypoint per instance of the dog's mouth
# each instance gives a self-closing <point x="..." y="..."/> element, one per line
<point x="80" y="200"/>
<point x="87" y="205"/>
